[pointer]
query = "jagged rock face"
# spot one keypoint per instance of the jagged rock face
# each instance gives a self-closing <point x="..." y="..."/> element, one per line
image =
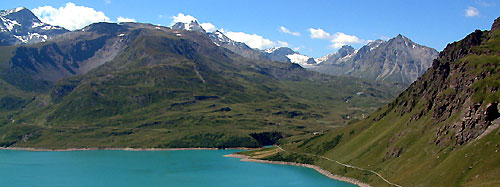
<point x="21" y="26"/>
<point x="496" y="25"/>
<point x="450" y="88"/>
<point x="397" y="60"/>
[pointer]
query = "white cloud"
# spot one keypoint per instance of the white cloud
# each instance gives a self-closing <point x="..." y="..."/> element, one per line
<point x="282" y="43"/>
<point x="287" y="31"/>
<point x="183" y="18"/>
<point x="70" y="16"/>
<point x="252" y="40"/>
<point x="338" y="39"/>
<point x="209" y="27"/>
<point x="122" y="19"/>
<point x="471" y="12"/>
<point x="319" y="34"/>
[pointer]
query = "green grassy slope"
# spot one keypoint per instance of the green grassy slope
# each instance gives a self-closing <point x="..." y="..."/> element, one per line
<point x="442" y="131"/>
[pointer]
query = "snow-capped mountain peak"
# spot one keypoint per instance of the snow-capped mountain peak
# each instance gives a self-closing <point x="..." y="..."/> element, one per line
<point x="20" y="25"/>
<point x="374" y="44"/>
<point x="7" y="12"/>
<point x="192" y="26"/>
<point x="345" y="51"/>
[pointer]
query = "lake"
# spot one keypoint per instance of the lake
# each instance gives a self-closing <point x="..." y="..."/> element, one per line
<point x="149" y="168"/>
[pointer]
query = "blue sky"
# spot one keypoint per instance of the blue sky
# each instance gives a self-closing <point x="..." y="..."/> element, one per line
<point x="433" y="23"/>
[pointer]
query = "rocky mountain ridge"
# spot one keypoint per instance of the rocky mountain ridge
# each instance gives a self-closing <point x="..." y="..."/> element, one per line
<point x="396" y="60"/>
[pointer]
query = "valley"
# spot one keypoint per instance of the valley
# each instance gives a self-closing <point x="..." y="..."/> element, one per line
<point x="375" y="111"/>
<point x="143" y="86"/>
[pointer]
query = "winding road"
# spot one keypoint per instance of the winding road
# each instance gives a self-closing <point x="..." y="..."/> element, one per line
<point x="340" y="163"/>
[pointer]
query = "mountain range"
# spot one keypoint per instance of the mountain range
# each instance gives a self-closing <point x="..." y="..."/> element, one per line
<point x="397" y="60"/>
<point x="142" y="85"/>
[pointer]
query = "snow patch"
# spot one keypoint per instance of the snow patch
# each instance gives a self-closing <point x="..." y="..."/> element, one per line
<point x="219" y="35"/>
<point x="324" y="58"/>
<point x="50" y="27"/>
<point x="297" y="58"/>
<point x="271" y="50"/>
<point x="37" y="36"/>
<point x="37" y="24"/>
<point x="7" y="12"/>
<point x="22" y="39"/>
<point x="18" y="9"/>
<point x="9" y="24"/>
<point x="300" y="60"/>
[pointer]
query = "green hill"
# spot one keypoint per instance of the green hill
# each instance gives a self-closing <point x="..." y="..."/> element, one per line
<point x="442" y="131"/>
<point x="139" y="85"/>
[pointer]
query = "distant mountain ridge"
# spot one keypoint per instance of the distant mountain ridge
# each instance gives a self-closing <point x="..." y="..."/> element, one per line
<point x="396" y="60"/>
<point x="279" y="54"/>
<point x="21" y="26"/>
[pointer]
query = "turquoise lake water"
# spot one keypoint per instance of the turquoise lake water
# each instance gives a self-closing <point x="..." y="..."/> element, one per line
<point x="149" y="168"/>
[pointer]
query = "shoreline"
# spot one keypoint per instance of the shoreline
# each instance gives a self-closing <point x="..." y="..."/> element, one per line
<point x="118" y="149"/>
<point x="245" y="158"/>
